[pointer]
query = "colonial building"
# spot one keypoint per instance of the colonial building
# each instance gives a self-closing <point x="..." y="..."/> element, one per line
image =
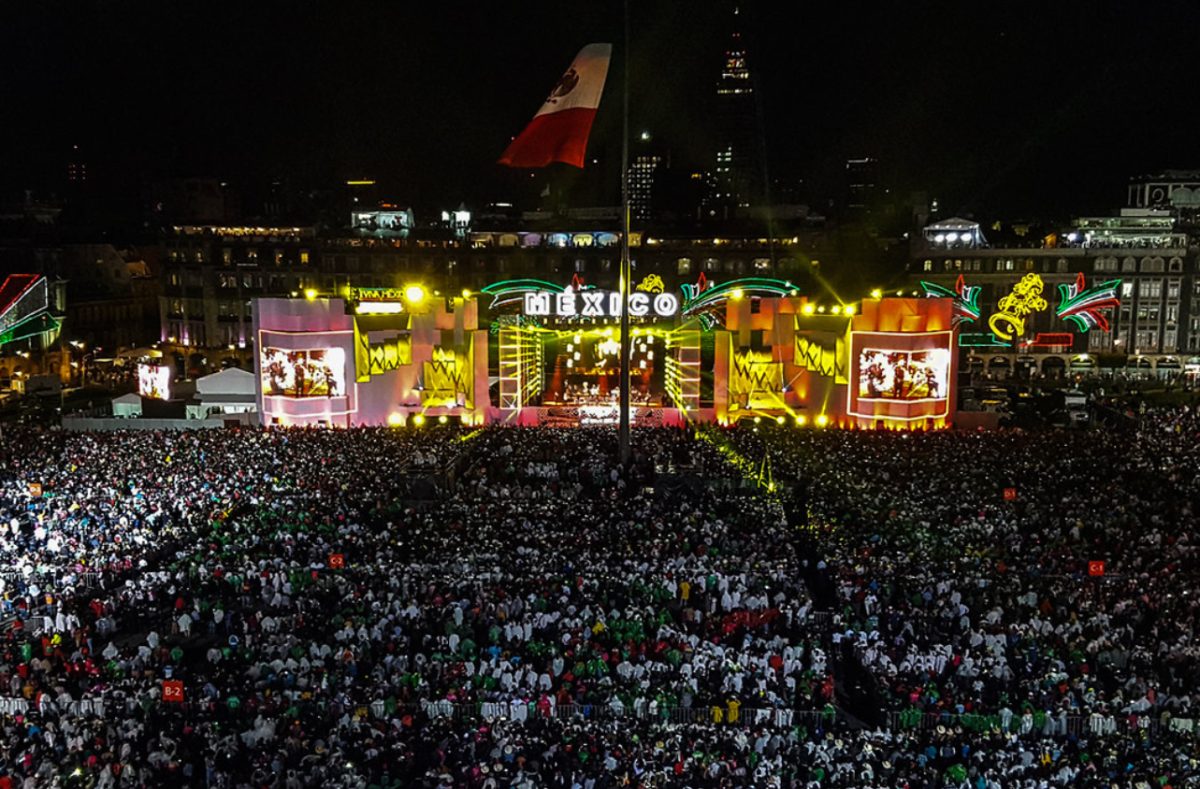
<point x="1148" y="324"/>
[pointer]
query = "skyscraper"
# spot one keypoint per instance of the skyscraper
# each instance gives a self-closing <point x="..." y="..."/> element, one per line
<point x="736" y="181"/>
<point x="644" y="171"/>
<point x="862" y="185"/>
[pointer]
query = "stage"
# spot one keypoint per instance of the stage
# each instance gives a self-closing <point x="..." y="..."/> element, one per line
<point x="550" y="355"/>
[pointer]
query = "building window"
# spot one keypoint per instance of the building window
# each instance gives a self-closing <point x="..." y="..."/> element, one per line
<point x="929" y="265"/>
<point x="304" y="257"/>
<point x="683" y="266"/>
<point x="1176" y="265"/>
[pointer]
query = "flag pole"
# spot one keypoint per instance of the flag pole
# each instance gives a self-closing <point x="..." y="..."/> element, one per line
<point x="626" y="267"/>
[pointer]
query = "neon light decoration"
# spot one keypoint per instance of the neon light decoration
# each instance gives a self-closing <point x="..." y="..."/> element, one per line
<point x="1052" y="340"/>
<point x="981" y="340"/>
<point x="512" y="291"/>
<point x="24" y="308"/>
<point x="1084" y="306"/>
<point x="704" y="299"/>
<point x="966" y="298"/>
<point x="651" y="283"/>
<point x="1025" y="299"/>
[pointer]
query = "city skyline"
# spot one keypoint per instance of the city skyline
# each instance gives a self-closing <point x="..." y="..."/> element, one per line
<point x="999" y="111"/>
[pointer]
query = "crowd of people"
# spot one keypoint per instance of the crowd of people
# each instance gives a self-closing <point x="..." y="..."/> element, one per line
<point x="512" y="607"/>
<point x="1006" y="581"/>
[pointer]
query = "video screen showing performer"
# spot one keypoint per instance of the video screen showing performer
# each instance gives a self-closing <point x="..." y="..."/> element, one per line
<point x="154" y="381"/>
<point x="903" y="375"/>
<point x="309" y="373"/>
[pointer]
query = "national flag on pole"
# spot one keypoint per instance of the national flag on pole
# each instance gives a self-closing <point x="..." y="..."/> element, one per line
<point x="559" y="131"/>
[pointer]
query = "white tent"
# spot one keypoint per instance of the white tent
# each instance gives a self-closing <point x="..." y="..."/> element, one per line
<point x="230" y="391"/>
<point x="128" y="406"/>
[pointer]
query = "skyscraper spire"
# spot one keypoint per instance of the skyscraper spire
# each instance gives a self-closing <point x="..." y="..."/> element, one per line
<point x="737" y="172"/>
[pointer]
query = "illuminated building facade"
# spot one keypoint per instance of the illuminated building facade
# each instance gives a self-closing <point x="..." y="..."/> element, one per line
<point x="211" y="274"/>
<point x="1116" y="295"/>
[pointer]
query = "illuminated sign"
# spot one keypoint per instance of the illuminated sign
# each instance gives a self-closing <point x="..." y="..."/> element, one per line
<point x="599" y="304"/>
<point x="375" y="294"/>
<point x="1025" y="299"/>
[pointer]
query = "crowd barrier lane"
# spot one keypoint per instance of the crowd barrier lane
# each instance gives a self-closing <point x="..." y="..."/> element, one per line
<point x="1044" y="725"/>
<point x="88" y="579"/>
<point x="18" y="584"/>
<point x="94" y="707"/>
<point x="521" y="710"/>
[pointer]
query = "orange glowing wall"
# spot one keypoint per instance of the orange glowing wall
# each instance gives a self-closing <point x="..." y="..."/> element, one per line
<point x="818" y="351"/>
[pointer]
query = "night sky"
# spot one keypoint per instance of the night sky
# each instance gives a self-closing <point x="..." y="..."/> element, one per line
<point x="1015" y="109"/>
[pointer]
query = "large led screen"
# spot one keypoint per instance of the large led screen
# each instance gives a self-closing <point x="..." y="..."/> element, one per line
<point x="154" y="381"/>
<point x="903" y="375"/>
<point x="310" y="373"/>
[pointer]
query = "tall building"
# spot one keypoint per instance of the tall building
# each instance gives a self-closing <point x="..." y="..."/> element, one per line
<point x="77" y="171"/>
<point x="862" y="185"/>
<point x="736" y="181"/>
<point x="646" y="167"/>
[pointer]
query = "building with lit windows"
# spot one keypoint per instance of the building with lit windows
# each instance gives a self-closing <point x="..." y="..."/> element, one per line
<point x="1170" y="190"/>
<point x="862" y="185"/>
<point x="1108" y="295"/>
<point x="644" y="170"/>
<point x="736" y="179"/>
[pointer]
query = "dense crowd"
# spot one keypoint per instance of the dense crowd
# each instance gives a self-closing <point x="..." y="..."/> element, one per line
<point x="1036" y="582"/>
<point x="511" y="607"/>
